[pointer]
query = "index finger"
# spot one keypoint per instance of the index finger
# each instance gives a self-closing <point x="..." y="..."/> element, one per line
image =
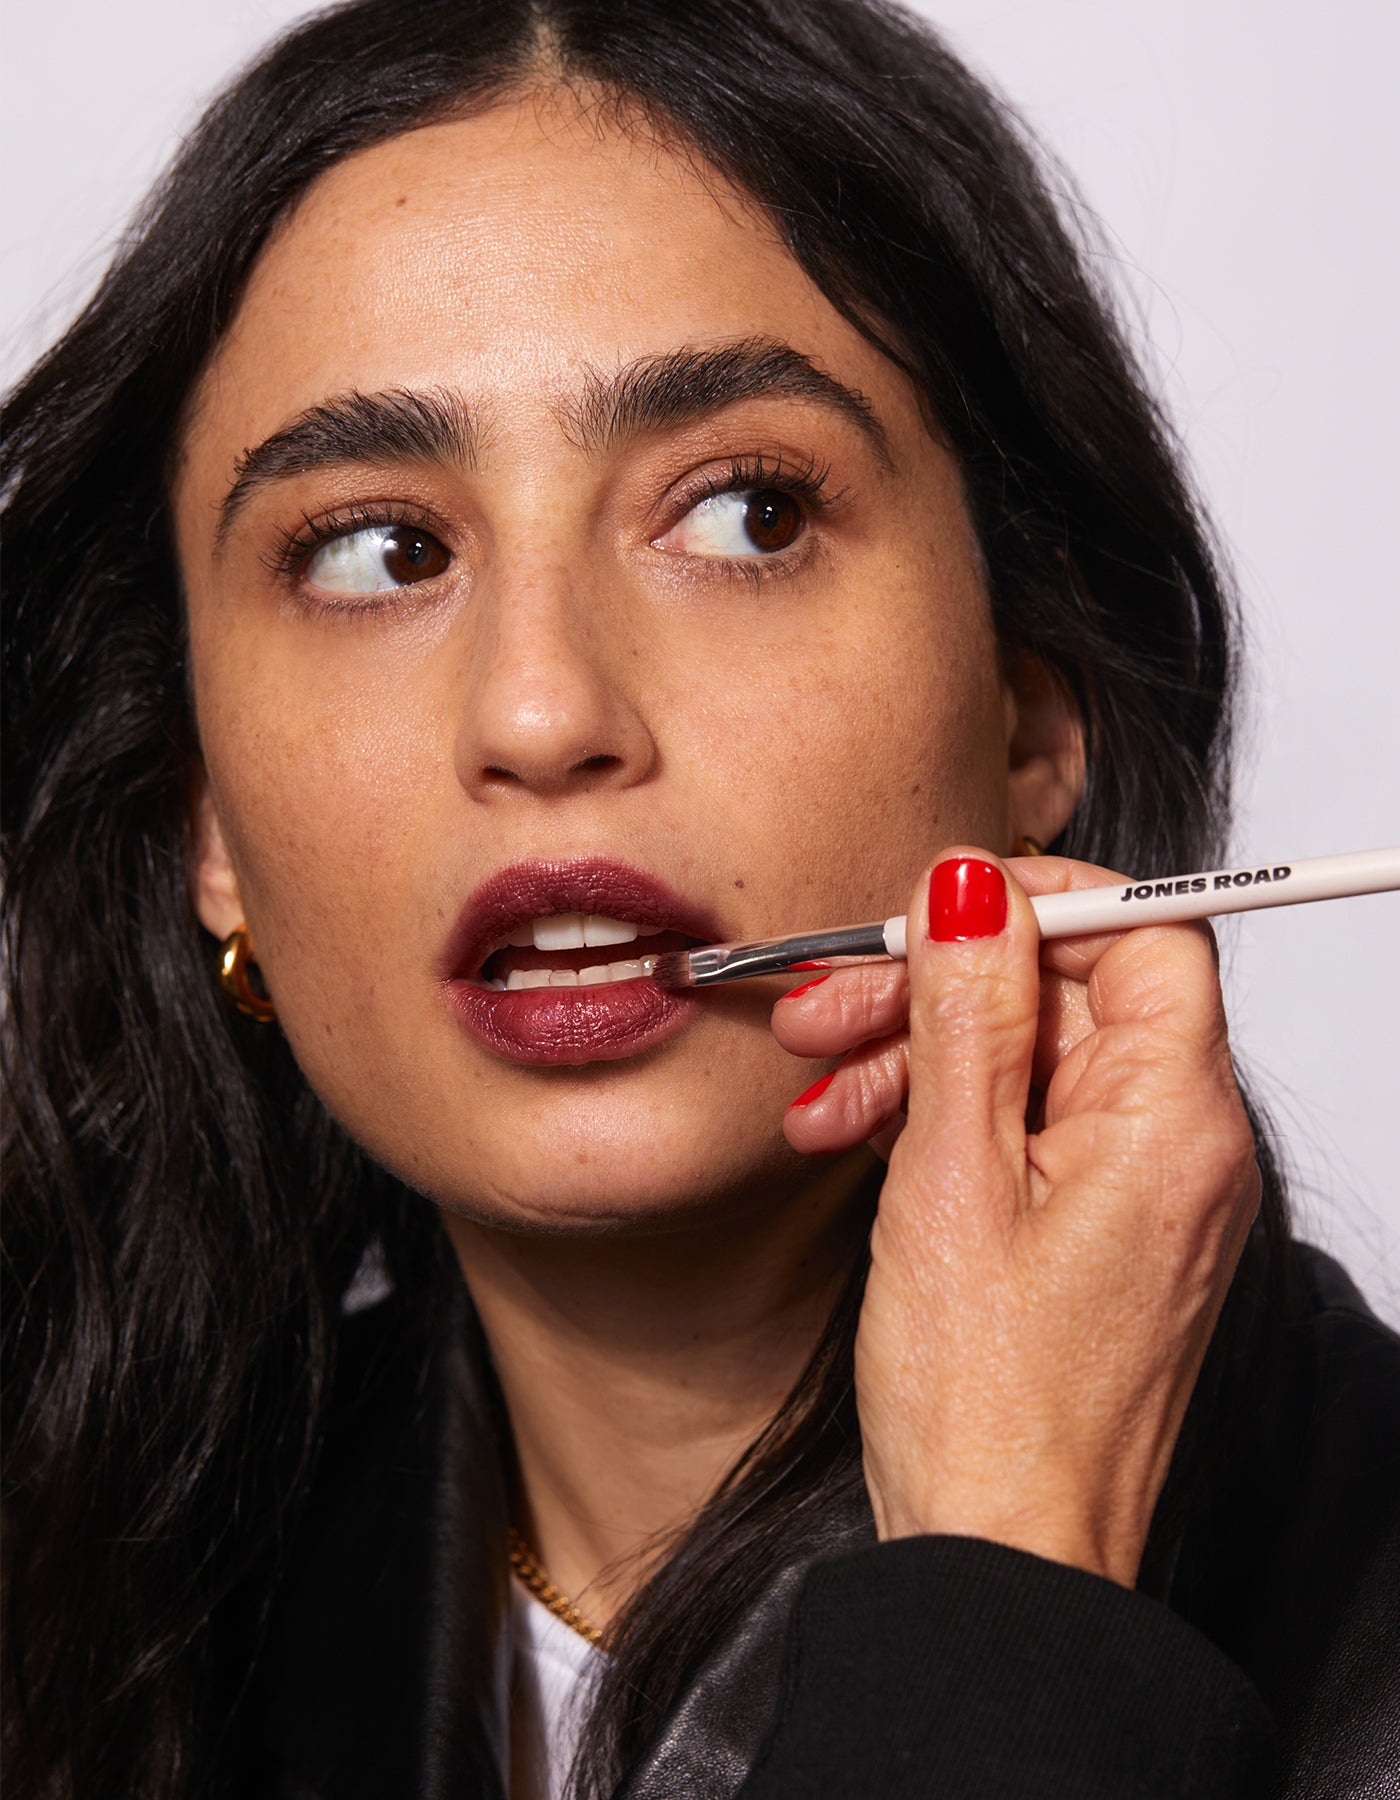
<point x="859" y="1002"/>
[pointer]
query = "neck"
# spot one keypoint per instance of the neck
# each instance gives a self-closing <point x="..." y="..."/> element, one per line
<point x="637" y="1369"/>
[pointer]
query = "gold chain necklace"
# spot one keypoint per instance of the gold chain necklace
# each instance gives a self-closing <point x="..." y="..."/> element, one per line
<point x="533" y="1577"/>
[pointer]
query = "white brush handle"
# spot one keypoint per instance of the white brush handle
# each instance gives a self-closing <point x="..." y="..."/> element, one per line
<point x="1202" y="895"/>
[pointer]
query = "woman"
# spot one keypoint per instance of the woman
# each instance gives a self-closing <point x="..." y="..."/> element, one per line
<point x="543" y="476"/>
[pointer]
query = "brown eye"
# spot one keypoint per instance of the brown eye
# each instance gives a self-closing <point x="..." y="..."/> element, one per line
<point x="413" y="556"/>
<point x="740" y="524"/>
<point x="772" y="519"/>
<point x="376" y="560"/>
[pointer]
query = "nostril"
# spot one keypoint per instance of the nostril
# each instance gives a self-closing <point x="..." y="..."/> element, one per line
<point x="499" y="775"/>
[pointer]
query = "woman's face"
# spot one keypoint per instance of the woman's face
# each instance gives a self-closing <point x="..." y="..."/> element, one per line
<point x="553" y="547"/>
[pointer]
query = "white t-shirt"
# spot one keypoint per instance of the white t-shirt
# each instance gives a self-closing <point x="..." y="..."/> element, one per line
<point x="551" y="1671"/>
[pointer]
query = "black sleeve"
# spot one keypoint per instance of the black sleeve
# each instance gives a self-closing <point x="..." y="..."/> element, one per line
<point x="957" y="1669"/>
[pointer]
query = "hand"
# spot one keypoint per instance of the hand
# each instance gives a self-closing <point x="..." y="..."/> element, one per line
<point x="1062" y="1215"/>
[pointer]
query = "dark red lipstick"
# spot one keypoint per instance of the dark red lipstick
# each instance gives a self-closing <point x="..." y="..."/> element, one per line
<point x="544" y="1026"/>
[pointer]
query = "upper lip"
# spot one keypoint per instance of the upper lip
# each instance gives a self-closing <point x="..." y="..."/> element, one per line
<point x="523" y="891"/>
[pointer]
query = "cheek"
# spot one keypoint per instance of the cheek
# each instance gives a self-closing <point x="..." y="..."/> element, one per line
<point x="847" y="760"/>
<point x="325" y="785"/>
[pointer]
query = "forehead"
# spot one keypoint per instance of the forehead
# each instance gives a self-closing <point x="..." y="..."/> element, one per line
<point x="507" y="253"/>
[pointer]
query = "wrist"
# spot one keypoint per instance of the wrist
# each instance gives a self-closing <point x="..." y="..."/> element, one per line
<point x="1052" y="1532"/>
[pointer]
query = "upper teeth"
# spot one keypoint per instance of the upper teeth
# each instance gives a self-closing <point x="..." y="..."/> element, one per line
<point x="576" y="931"/>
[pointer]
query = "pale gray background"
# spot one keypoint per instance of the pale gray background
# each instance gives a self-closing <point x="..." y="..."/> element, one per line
<point x="1243" y="156"/>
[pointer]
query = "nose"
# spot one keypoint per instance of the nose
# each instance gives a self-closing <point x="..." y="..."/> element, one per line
<point x="550" y="706"/>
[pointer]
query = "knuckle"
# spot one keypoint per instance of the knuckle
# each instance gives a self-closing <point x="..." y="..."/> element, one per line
<point x="866" y="1003"/>
<point x="988" y="1015"/>
<point x="1213" y="1147"/>
<point x="881" y="1081"/>
<point x="861" y="1003"/>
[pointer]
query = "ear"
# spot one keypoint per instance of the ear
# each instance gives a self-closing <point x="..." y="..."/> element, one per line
<point x="1045" y="760"/>
<point x="213" y="883"/>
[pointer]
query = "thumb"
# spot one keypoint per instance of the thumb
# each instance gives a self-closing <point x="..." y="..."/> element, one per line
<point x="974" y="1003"/>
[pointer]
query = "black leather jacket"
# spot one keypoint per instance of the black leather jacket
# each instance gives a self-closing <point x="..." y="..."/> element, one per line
<point x="1260" y="1655"/>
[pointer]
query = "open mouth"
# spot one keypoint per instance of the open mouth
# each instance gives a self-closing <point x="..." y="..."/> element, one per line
<point x="550" y="962"/>
<point x="577" y="950"/>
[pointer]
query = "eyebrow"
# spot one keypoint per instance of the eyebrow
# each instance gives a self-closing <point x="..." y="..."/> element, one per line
<point x="398" y="425"/>
<point x="657" y="393"/>
<point x="654" y="393"/>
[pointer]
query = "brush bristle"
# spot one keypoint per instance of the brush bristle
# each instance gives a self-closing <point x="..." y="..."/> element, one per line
<point x="673" y="970"/>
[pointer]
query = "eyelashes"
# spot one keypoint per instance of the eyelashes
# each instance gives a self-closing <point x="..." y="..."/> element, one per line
<point x="292" y="549"/>
<point x="749" y="519"/>
<point x="807" y="481"/>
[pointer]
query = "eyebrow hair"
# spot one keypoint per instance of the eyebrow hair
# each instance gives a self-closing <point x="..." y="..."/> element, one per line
<point x="656" y="392"/>
<point x="418" y="425"/>
<point x="436" y="425"/>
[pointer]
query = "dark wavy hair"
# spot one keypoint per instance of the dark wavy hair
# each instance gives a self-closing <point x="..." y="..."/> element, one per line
<point x="183" y="1217"/>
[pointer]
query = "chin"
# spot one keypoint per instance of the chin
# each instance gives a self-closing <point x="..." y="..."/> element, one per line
<point x="673" y="1136"/>
<point x="598" y="1186"/>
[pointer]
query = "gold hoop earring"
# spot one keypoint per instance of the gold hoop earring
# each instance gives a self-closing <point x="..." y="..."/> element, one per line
<point x="1028" y="846"/>
<point x="235" y="953"/>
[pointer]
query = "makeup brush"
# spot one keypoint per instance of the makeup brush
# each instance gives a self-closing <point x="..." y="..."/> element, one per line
<point x="1118" y="907"/>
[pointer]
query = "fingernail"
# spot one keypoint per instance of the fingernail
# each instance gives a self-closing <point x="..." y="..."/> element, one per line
<point x="966" y="899"/>
<point x="806" y="987"/>
<point x="810" y="965"/>
<point x="817" y="1089"/>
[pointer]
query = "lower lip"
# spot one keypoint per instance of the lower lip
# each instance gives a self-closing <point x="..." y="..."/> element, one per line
<point x="546" y="1027"/>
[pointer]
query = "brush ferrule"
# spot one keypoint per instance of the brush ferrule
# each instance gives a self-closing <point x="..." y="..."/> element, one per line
<point x="775" y="956"/>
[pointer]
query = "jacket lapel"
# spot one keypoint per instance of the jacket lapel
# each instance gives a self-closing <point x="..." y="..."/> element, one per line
<point x="708" y="1744"/>
<point x="381" y="1675"/>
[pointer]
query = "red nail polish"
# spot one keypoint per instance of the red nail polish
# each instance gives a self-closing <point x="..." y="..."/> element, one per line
<point x="966" y="899"/>
<point x="806" y="987"/>
<point x="817" y="1089"/>
<point x="810" y="965"/>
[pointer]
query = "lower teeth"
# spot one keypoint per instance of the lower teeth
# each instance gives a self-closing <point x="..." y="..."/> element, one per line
<point x="596" y="976"/>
